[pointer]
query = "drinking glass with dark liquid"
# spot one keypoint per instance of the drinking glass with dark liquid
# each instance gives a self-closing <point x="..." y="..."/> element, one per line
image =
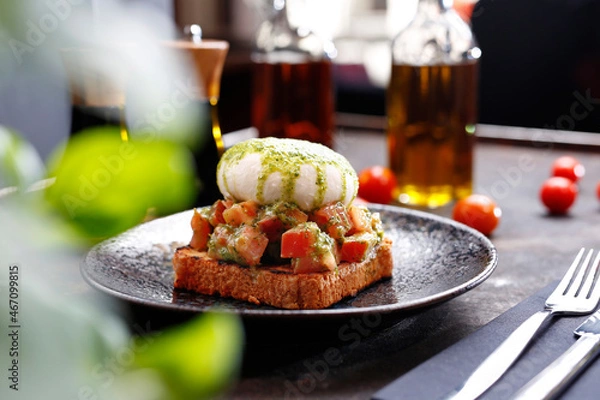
<point x="207" y="58"/>
<point x="293" y="93"/>
<point x="432" y="107"/>
<point x="97" y="99"/>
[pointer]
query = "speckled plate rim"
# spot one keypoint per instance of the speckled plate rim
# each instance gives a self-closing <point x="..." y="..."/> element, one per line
<point x="269" y="312"/>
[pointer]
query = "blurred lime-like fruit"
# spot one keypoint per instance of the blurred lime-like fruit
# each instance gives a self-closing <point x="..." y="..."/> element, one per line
<point x="20" y="164"/>
<point x="197" y="359"/>
<point x="105" y="185"/>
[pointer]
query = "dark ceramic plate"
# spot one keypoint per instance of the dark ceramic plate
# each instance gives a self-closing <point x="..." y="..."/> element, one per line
<point x="435" y="259"/>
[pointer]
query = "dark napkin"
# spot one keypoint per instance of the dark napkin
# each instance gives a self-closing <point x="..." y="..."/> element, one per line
<point x="443" y="372"/>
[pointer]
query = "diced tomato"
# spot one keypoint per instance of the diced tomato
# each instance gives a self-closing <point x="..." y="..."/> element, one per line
<point x="220" y="236"/>
<point x="320" y="262"/>
<point x="333" y="219"/>
<point x="250" y="244"/>
<point x="202" y="229"/>
<point x="198" y="220"/>
<point x="355" y="248"/>
<point x="280" y="217"/>
<point x="299" y="241"/>
<point x="240" y="213"/>
<point x="360" y="218"/>
<point x="310" y="249"/>
<point x="292" y="216"/>
<point x="216" y="214"/>
<point x="271" y="226"/>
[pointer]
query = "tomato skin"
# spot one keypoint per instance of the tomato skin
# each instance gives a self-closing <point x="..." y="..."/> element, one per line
<point x="333" y="219"/>
<point x="360" y="219"/>
<point x="272" y="227"/>
<point x="240" y="213"/>
<point x="357" y="247"/>
<point x="244" y="245"/>
<point x="201" y="230"/>
<point x="250" y="244"/>
<point x="558" y="194"/>
<point x="298" y="241"/>
<point x="376" y="184"/>
<point x="479" y="212"/>
<point x="314" y="263"/>
<point x="216" y="211"/>
<point x="568" y="167"/>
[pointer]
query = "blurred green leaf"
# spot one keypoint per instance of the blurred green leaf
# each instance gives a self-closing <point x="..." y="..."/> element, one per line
<point x="197" y="359"/>
<point x="105" y="185"/>
<point x="74" y="344"/>
<point x="20" y="163"/>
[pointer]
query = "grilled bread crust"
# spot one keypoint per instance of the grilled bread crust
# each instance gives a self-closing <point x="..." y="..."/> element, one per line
<point x="277" y="285"/>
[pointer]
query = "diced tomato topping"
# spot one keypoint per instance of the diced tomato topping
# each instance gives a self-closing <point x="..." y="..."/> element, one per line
<point x="320" y="262"/>
<point x="355" y="248"/>
<point x="360" y="219"/>
<point x="243" y="232"/>
<point x="202" y="229"/>
<point x="277" y="219"/>
<point x="240" y="213"/>
<point x="299" y="241"/>
<point x="220" y="236"/>
<point x="216" y="212"/>
<point x="250" y="244"/>
<point x="310" y="249"/>
<point x="292" y="217"/>
<point x="332" y="219"/>
<point x="271" y="226"/>
<point x="198" y="220"/>
<point x="244" y="245"/>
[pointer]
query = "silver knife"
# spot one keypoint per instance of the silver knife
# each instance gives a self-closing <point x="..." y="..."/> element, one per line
<point x="555" y="378"/>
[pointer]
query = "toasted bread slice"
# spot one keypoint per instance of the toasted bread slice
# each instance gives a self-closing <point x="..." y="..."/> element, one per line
<point x="277" y="285"/>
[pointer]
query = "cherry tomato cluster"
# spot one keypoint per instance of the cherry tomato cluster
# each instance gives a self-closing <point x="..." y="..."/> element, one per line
<point x="376" y="184"/>
<point x="559" y="191"/>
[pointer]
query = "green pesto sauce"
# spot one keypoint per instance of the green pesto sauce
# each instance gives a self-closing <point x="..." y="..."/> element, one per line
<point x="324" y="242"/>
<point x="287" y="156"/>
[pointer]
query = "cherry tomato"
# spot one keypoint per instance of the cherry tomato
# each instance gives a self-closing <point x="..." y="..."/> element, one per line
<point x="558" y="194"/>
<point x="568" y="167"/>
<point x="376" y="184"/>
<point x="464" y="8"/>
<point x="598" y="190"/>
<point x="479" y="212"/>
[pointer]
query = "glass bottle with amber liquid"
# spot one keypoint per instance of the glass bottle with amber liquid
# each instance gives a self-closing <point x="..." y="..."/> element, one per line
<point x="293" y="92"/>
<point x="432" y="107"/>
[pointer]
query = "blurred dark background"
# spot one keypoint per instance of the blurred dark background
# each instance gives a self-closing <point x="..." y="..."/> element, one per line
<point x="541" y="58"/>
<point x="540" y="65"/>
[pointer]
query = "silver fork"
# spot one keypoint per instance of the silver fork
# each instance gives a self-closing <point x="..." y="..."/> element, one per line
<point x="576" y="294"/>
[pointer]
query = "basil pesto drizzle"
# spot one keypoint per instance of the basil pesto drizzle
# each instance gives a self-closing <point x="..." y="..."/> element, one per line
<point x="287" y="156"/>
